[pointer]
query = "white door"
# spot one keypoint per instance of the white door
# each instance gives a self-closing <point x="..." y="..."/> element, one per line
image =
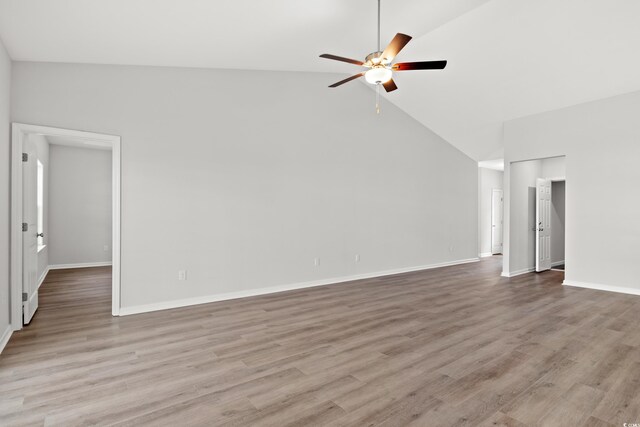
<point x="497" y="209"/>
<point x="543" y="224"/>
<point x="30" y="231"/>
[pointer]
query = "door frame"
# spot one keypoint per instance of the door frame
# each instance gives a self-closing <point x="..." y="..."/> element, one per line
<point x="561" y="179"/>
<point x="18" y="132"/>
<point x="551" y="181"/>
<point x="501" y="191"/>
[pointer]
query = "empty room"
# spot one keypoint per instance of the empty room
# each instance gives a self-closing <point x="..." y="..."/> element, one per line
<point x="328" y="213"/>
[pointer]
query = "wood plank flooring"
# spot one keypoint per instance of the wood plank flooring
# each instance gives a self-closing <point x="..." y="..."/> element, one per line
<point x="455" y="346"/>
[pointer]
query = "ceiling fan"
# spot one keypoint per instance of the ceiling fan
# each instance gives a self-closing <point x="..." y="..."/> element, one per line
<point x="380" y="63"/>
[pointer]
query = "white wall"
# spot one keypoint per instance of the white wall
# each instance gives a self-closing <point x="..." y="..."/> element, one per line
<point x="80" y="205"/>
<point x="601" y="141"/>
<point x="489" y="180"/>
<point x="554" y="167"/>
<point x="42" y="150"/>
<point x="243" y="178"/>
<point x="5" y="161"/>
<point x="557" y="222"/>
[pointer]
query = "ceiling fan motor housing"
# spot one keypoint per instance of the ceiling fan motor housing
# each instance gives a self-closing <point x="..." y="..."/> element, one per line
<point x="374" y="59"/>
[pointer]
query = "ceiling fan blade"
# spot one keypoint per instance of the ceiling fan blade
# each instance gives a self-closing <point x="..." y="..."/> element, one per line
<point x="340" y="58"/>
<point x="390" y="86"/>
<point x="422" y="65"/>
<point x="347" y="80"/>
<point x="399" y="41"/>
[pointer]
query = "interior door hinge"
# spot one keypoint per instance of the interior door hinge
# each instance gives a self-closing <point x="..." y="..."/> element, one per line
<point x="25" y="297"/>
<point x="25" y="226"/>
<point x="25" y="157"/>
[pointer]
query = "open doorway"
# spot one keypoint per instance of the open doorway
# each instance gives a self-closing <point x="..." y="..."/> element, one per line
<point x="65" y="192"/>
<point x="497" y="209"/>
<point x="490" y="207"/>
<point x="557" y="224"/>
<point x="549" y="229"/>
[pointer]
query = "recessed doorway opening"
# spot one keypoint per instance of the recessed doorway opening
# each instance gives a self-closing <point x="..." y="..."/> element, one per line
<point x="29" y="211"/>
<point x="537" y="216"/>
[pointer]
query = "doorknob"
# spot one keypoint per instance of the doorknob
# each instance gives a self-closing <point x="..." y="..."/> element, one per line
<point x="40" y="235"/>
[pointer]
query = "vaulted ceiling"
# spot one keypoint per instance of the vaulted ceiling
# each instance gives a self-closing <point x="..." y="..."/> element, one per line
<point x="507" y="58"/>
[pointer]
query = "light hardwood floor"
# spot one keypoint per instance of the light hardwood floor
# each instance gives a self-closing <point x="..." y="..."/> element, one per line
<point x="450" y="346"/>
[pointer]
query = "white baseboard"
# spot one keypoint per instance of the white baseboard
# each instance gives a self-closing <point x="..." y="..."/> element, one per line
<point x="485" y="254"/>
<point x="518" y="272"/>
<point x="526" y="270"/>
<point x="43" y="277"/>
<point x="599" y="287"/>
<point x="165" y="305"/>
<point x="5" y="337"/>
<point x="62" y="266"/>
<point x="80" y="265"/>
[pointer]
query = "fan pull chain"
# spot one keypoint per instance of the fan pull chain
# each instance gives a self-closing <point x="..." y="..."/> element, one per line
<point x="378" y="98"/>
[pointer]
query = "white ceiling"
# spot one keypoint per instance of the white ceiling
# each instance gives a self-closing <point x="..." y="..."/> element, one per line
<point x="507" y="58"/>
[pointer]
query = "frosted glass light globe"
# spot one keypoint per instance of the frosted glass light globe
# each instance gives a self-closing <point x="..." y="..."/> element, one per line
<point x="378" y="75"/>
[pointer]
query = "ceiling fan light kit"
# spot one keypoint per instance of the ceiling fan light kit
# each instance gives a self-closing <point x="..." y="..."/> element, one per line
<point x="378" y="75"/>
<point x="380" y="65"/>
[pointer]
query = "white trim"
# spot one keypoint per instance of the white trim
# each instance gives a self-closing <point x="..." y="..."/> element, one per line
<point x="80" y="265"/>
<point x="525" y="270"/>
<point x="501" y="191"/>
<point x="43" y="276"/>
<point x="5" y="337"/>
<point x="115" y="230"/>
<point x="558" y="179"/>
<point x="165" y="305"/>
<point x="16" y="228"/>
<point x="599" y="287"/>
<point x="63" y="266"/>
<point x="18" y="131"/>
<point x="557" y="263"/>
<point x="486" y="254"/>
<point x="518" y="272"/>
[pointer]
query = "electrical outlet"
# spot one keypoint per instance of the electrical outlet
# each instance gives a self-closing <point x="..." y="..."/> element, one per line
<point x="357" y="257"/>
<point x="316" y="262"/>
<point x="451" y="248"/>
<point x="105" y="248"/>
<point x="182" y="274"/>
